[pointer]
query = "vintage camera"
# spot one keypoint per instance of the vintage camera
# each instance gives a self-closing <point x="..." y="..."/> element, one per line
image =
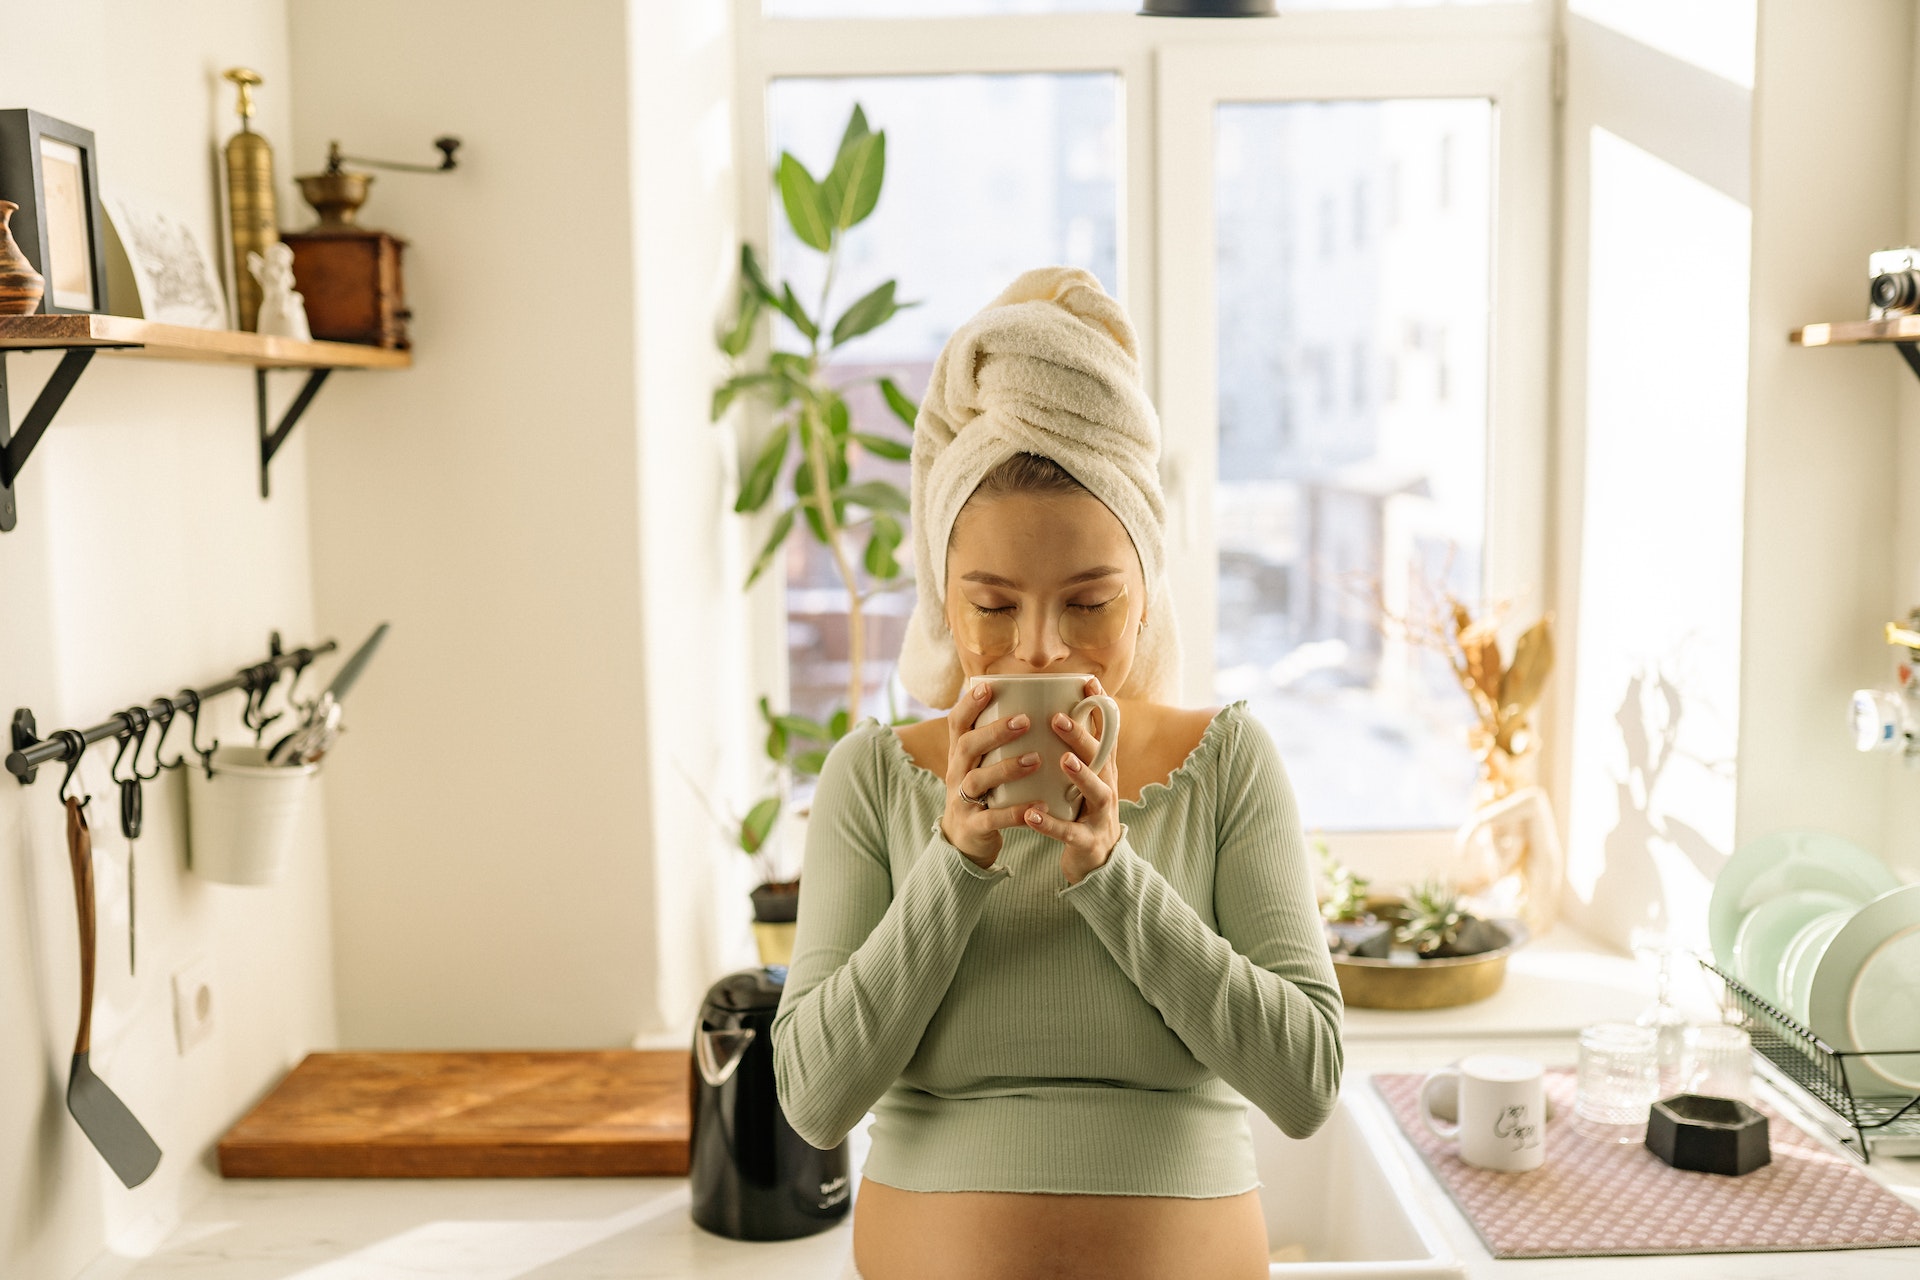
<point x="1895" y="290"/>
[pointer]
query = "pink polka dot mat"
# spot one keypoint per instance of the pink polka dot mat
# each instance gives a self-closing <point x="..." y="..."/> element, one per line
<point x="1595" y="1198"/>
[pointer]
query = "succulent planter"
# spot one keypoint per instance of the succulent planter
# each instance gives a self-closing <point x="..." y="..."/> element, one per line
<point x="1378" y="972"/>
<point x="775" y="905"/>
<point x="1709" y="1135"/>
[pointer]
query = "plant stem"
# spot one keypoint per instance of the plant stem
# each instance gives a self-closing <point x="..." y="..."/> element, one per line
<point x="823" y="503"/>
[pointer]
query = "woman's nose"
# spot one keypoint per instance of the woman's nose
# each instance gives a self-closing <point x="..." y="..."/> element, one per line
<point x="1040" y="644"/>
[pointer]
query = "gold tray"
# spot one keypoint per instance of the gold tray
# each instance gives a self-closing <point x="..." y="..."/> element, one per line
<point x="1427" y="984"/>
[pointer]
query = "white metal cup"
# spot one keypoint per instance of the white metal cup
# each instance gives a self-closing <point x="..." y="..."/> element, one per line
<point x="1502" y="1110"/>
<point x="1040" y="697"/>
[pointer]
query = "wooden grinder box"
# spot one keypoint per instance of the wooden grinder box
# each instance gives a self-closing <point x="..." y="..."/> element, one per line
<point x="352" y="286"/>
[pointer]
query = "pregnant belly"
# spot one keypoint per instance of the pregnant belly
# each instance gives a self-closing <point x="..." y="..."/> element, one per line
<point x="963" y="1235"/>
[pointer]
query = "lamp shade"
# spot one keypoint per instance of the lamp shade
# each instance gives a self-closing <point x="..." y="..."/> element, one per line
<point x="1207" y="9"/>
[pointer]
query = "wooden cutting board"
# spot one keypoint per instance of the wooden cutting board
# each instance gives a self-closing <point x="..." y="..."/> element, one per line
<point x="597" y="1113"/>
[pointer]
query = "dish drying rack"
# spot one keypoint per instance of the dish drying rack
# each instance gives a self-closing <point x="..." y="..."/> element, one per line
<point x="1822" y="1073"/>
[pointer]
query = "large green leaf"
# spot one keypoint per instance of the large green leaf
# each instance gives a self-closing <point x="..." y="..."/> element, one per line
<point x="856" y="129"/>
<point x="897" y="400"/>
<point x="805" y="203"/>
<point x="881" y="544"/>
<point x="734" y="340"/>
<point x="881" y="447"/>
<point x="801" y="727"/>
<point x="759" y="821"/>
<point x="758" y="486"/>
<point x="869" y="312"/>
<point x="810" y="762"/>
<point x="723" y="395"/>
<point x="839" y="724"/>
<point x="754" y="277"/>
<point x="852" y="187"/>
<point x="839" y="420"/>
<point x="790" y="308"/>
<point x="876" y="495"/>
<point x="781" y="527"/>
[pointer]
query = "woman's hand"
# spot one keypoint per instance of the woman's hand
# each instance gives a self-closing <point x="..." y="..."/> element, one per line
<point x="966" y="825"/>
<point x="1089" y="839"/>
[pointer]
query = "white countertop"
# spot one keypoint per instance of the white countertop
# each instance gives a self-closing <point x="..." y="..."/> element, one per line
<point x="629" y="1228"/>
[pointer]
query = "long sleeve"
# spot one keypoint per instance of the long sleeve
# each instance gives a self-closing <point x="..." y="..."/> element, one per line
<point x="1257" y="1002"/>
<point x="870" y="966"/>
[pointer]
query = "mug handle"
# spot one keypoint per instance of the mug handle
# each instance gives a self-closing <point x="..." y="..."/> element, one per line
<point x="1109" y="726"/>
<point x="1426" y="1116"/>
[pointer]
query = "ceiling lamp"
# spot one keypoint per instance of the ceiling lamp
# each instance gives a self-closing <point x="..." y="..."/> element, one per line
<point x="1207" y="9"/>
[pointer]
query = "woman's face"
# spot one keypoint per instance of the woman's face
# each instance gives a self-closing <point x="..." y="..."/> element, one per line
<point x="1044" y="583"/>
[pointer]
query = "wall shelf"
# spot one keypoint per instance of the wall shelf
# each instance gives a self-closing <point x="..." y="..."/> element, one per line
<point x="81" y="337"/>
<point x="1902" y="332"/>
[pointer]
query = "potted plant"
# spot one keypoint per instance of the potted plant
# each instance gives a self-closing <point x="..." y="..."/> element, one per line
<point x="858" y="522"/>
<point x="1423" y="949"/>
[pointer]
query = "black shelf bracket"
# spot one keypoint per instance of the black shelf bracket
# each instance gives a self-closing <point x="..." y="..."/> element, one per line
<point x="271" y="440"/>
<point x="1910" y="352"/>
<point x="15" y="449"/>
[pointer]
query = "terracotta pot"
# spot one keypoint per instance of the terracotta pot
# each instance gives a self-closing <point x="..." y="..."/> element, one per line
<point x="20" y="285"/>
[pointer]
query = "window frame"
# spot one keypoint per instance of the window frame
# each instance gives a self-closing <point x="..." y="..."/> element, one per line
<point x="1170" y="75"/>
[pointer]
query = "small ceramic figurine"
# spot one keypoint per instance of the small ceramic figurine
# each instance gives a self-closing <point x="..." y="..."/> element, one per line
<point x="283" y="312"/>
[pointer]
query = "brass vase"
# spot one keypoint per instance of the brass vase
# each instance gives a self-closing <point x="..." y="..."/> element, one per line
<point x="20" y="285"/>
<point x="249" y="200"/>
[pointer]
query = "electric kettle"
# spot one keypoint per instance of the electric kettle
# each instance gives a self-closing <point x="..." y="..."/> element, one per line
<point x="753" y="1177"/>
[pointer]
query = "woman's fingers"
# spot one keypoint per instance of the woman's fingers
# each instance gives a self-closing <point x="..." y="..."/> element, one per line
<point x="974" y="743"/>
<point x="1095" y="788"/>
<point x="1080" y="739"/>
<point x="988" y="776"/>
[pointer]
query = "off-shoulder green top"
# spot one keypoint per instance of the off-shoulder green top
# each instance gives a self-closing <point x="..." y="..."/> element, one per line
<point x="1013" y="1033"/>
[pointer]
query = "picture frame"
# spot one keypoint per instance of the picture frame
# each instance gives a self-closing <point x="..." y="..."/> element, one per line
<point x="48" y="168"/>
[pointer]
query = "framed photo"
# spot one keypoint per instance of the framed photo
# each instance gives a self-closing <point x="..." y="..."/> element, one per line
<point x="173" y="275"/>
<point x="47" y="168"/>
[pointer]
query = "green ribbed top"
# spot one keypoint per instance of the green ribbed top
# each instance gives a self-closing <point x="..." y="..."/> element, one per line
<point x="1013" y="1033"/>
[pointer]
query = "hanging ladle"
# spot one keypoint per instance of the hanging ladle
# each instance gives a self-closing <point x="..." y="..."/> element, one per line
<point x="112" y="1129"/>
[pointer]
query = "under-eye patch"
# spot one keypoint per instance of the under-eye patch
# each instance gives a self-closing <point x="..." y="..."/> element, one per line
<point x="995" y="633"/>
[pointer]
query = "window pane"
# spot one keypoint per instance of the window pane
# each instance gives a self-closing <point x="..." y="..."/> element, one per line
<point x="1353" y="242"/>
<point x="972" y="8"/>
<point x="986" y="177"/>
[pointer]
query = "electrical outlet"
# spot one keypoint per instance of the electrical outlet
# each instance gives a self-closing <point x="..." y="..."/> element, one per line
<point x="193" y="1003"/>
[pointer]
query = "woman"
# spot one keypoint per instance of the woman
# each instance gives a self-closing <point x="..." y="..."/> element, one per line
<point x="1050" y="1018"/>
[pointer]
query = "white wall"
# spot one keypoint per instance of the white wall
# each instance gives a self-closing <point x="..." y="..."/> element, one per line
<point x="518" y="862"/>
<point x="144" y="560"/>
<point x="1903" y="785"/>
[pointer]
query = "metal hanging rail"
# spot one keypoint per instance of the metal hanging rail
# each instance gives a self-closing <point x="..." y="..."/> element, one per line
<point x="30" y="750"/>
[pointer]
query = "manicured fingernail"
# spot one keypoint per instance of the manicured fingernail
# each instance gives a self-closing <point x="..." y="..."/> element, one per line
<point x="1018" y="723"/>
<point x="1062" y="722"/>
<point x="1030" y="759"/>
<point x="1036" y="816"/>
<point x="1072" y="764"/>
<point x="980" y="691"/>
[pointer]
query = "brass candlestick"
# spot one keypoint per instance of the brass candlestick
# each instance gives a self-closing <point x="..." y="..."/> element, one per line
<point x="249" y="199"/>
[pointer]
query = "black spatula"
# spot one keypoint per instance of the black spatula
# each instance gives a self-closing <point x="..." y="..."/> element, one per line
<point x="102" y="1116"/>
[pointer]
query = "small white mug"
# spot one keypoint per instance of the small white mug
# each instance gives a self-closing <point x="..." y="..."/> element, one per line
<point x="1502" y="1111"/>
<point x="1040" y="697"/>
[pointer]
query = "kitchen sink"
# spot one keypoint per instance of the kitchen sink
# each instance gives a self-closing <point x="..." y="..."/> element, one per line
<point x="1349" y="1202"/>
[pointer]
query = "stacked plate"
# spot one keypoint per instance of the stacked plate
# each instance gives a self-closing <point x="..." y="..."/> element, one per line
<point x="1821" y="930"/>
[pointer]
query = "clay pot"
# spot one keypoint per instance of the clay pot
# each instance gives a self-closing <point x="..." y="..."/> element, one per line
<point x="20" y="285"/>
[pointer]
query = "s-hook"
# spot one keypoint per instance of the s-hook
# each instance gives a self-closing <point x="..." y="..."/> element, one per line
<point x="165" y="720"/>
<point x="259" y="682"/>
<point x="76" y="746"/>
<point x="138" y="721"/>
<point x="190" y="699"/>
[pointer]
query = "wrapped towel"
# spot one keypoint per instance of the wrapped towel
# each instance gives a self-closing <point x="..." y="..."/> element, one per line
<point x="1049" y="367"/>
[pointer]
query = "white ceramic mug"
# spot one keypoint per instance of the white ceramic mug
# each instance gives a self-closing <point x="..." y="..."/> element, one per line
<point x="1502" y="1111"/>
<point x="1041" y="697"/>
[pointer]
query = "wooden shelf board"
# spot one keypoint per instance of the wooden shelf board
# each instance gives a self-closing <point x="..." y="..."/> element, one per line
<point x="1844" y="333"/>
<point x="122" y="335"/>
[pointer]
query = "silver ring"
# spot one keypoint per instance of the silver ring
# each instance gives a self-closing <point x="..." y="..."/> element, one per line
<point x="979" y="800"/>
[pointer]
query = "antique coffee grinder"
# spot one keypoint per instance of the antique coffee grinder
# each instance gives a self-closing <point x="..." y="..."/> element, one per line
<point x="350" y="274"/>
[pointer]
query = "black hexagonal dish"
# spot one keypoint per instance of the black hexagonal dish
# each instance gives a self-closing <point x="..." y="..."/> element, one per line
<point x="1711" y="1135"/>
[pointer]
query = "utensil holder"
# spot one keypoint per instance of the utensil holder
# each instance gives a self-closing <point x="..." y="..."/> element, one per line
<point x="1820" y="1072"/>
<point x="242" y="821"/>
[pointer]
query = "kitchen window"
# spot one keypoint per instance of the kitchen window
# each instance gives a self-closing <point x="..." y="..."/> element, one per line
<point x="1332" y="232"/>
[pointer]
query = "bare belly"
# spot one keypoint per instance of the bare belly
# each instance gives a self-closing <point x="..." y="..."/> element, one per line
<point x="968" y="1235"/>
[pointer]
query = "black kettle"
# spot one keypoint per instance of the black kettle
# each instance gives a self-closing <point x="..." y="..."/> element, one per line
<point x="753" y="1177"/>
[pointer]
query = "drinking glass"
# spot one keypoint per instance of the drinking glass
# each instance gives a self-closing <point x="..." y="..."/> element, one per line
<point x="1719" y="1062"/>
<point x="1670" y="1026"/>
<point x="1618" y="1081"/>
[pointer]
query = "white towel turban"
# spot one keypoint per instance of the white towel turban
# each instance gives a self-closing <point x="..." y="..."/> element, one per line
<point x="1050" y="367"/>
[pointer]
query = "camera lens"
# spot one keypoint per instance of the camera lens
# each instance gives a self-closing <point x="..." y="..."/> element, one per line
<point x="1895" y="291"/>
